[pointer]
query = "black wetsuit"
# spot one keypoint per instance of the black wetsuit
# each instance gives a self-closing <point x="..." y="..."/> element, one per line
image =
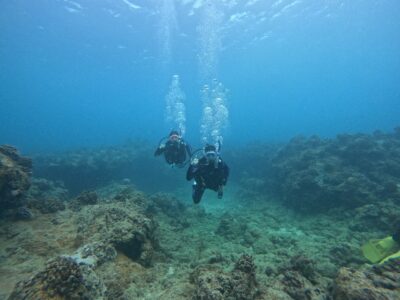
<point x="174" y="151"/>
<point x="207" y="176"/>
<point x="396" y="236"/>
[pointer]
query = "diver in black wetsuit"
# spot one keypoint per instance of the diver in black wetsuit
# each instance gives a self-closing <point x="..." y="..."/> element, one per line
<point x="396" y="235"/>
<point x="176" y="150"/>
<point x="209" y="172"/>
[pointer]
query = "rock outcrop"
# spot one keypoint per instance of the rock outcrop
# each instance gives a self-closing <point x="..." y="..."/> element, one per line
<point x="377" y="282"/>
<point x="65" y="277"/>
<point x="84" y="198"/>
<point x="313" y="174"/>
<point x="213" y="283"/>
<point x="15" y="173"/>
<point x="297" y="279"/>
<point x="121" y="225"/>
<point x="88" y="169"/>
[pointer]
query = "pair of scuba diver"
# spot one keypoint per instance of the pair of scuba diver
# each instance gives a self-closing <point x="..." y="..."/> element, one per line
<point x="380" y="251"/>
<point x="209" y="171"/>
<point x="206" y="167"/>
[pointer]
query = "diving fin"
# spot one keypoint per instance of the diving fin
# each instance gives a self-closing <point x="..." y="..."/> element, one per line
<point x="395" y="255"/>
<point x="376" y="250"/>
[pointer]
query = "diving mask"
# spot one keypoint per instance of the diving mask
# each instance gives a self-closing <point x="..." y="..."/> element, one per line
<point x="211" y="155"/>
<point x="212" y="158"/>
<point x="174" y="137"/>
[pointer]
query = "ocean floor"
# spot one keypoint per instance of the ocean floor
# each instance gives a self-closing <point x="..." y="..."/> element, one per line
<point x="215" y="234"/>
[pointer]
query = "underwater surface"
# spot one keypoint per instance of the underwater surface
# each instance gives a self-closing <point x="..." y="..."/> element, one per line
<point x="199" y="149"/>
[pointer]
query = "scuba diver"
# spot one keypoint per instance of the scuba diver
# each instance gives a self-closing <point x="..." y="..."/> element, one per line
<point x="384" y="249"/>
<point x="176" y="151"/>
<point x="209" y="172"/>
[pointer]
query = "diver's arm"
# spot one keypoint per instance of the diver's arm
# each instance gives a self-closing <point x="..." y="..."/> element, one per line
<point x="226" y="173"/>
<point x="190" y="173"/>
<point x="161" y="146"/>
<point x="159" y="150"/>
<point x="188" y="149"/>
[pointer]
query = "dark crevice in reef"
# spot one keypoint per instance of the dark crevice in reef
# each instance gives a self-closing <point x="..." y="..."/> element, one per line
<point x="132" y="248"/>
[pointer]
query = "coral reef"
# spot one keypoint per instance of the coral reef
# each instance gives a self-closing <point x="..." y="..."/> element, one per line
<point x="47" y="205"/>
<point x="97" y="252"/>
<point x="381" y="215"/>
<point x="65" y="277"/>
<point x="237" y="228"/>
<point x="167" y="206"/>
<point x="213" y="283"/>
<point x="302" y="265"/>
<point x="23" y="213"/>
<point x="297" y="279"/>
<point x="243" y="278"/>
<point x="15" y="173"/>
<point x="88" y="169"/>
<point x="349" y="171"/>
<point x="102" y="230"/>
<point x="44" y="188"/>
<point x="121" y="225"/>
<point x="87" y="198"/>
<point x="84" y="198"/>
<point x="46" y="196"/>
<point x="374" y="282"/>
<point x="127" y="244"/>
<point x="228" y="227"/>
<point x="132" y="195"/>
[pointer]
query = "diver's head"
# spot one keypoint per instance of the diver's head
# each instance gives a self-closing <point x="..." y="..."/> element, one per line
<point x="174" y="135"/>
<point x="210" y="153"/>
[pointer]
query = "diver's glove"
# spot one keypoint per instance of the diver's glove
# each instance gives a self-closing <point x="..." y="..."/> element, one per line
<point x="194" y="162"/>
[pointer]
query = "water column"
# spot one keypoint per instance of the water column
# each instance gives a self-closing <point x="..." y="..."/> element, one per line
<point x="215" y="113"/>
<point x="209" y="41"/>
<point x="175" y="115"/>
<point x="167" y="26"/>
<point x="215" y="117"/>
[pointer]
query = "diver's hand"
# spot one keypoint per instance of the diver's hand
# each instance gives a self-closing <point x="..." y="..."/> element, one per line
<point x="159" y="150"/>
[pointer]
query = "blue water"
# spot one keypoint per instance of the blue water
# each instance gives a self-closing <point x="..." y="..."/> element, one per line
<point x="87" y="73"/>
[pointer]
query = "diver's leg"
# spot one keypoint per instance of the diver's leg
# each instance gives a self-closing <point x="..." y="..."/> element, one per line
<point x="396" y="236"/>
<point x="220" y="191"/>
<point x="197" y="192"/>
